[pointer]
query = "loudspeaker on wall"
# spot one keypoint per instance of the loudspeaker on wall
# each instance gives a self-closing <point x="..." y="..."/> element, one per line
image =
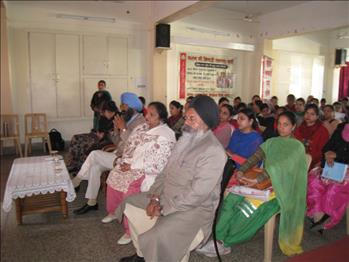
<point x="341" y="55"/>
<point x="163" y="36"/>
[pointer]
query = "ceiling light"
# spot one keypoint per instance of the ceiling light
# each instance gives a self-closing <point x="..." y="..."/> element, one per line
<point x="87" y="18"/>
<point x="213" y="32"/>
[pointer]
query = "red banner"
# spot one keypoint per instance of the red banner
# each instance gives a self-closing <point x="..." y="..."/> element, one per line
<point x="182" y="75"/>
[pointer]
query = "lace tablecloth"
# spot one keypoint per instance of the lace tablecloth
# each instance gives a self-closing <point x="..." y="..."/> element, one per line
<point x="37" y="175"/>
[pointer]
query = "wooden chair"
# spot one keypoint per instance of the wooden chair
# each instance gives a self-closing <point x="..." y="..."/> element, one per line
<point x="36" y="127"/>
<point x="10" y="131"/>
<point x="269" y="229"/>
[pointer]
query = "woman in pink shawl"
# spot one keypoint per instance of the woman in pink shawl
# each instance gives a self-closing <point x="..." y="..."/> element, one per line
<point x="224" y="130"/>
<point x="326" y="199"/>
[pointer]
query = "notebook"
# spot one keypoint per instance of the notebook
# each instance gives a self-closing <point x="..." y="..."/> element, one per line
<point x="336" y="172"/>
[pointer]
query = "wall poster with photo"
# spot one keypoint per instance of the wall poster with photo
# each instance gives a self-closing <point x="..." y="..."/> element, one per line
<point x="211" y="75"/>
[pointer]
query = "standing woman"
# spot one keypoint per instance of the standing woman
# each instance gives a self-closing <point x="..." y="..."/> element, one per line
<point x="224" y="130"/>
<point x="312" y="134"/>
<point x="176" y="120"/>
<point x="327" y="200"/>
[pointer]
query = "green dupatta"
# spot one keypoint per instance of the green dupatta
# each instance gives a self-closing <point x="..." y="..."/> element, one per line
<point x="285" y="162"/>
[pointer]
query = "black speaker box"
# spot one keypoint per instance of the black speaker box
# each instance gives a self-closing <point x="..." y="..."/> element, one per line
<point x="163" y="36"/>
<point x="340" y="57"/>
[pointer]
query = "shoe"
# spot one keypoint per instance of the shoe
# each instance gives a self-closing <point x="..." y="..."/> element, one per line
<point x="209" y="250"/>
<point x="77" y="189"/>
<point x="86" y="208"/>
<point x="124" y="240"/>
<point x="109" y="218"/>
<point x="319" y="225"/>
<point x="133" y="258"/>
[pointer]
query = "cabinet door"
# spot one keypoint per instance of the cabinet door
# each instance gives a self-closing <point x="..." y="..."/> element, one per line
<point x="95" y="55"/>
<point x="67" y="76"/>
<point x="117" y="56"/>
<point x="42" y="73"/>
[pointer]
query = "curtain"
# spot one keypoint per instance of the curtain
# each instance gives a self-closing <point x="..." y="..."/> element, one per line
<point x="344" y="82"/>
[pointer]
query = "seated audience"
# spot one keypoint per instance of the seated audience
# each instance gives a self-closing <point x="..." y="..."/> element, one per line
<point x="300" y="107"/>
<point x="176" y="120"/>
<point x="223" y="101"/>
<point x="327" y="200"/>
<point x="290" y="106"/>
<point x="309" y="98"/>
<point x="245" y="140"/>
<point x="274" y="103"/>
<point x="187" y="103"/>
<point x="145" y="155"/>
<point x="339" y="111"/>
<point x="144" y="109"/>
<point x="322" y="104"/>
<point x="185" y="195"/>
<point x="265" y="118"/>
<point x="236" y="102"/>
<point x="241" y="217"/>
<point x="329" y="120"/>
<point x="224" y="130"/>
<point x="82" y="144"/>
<point x="99" y="161"/>
<point x="312" y="134"/>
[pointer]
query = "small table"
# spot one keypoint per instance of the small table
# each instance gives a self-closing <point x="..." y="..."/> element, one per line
<point x="38" y="185"/>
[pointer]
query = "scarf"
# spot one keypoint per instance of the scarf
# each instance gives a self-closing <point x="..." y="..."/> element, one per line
<point x="285" y="162"/>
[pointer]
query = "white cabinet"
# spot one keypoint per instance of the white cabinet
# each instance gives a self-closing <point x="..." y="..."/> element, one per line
<point x="42" y="73"/>
<point x="105" y="55"/>
<point x="68" y="76"/>
<point x="54" y="74"/>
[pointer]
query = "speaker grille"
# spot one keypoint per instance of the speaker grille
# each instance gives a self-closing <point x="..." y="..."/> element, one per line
<point x="163" y="36"/>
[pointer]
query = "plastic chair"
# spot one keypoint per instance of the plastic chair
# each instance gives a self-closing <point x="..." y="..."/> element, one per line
<point x="10" y="131"/>
<point x="269" y="229"/>
<point x="36" y="127"/>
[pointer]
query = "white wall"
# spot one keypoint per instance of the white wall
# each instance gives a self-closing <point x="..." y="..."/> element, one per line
<point x="319" y="44"/>
<point x="139" y="46"/>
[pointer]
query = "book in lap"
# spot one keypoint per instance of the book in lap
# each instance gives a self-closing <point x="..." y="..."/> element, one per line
<point x="336" y="172"/>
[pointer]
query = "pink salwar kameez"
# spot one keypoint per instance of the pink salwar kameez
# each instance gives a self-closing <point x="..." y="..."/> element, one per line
<point x="328" y="197"/>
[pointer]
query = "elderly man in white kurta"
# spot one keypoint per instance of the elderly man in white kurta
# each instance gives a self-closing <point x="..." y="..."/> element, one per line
<point x="185" y="195"/>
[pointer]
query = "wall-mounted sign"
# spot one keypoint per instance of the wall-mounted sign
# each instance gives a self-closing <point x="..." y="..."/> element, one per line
<point x="211" y="75"/>
<point x="266" y="74"/>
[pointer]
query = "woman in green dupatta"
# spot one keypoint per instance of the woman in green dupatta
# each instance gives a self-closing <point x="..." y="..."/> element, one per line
<point x="285" y="163"/>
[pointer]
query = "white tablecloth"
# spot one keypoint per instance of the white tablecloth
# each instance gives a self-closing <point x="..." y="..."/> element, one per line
<point x="37" y="175"/>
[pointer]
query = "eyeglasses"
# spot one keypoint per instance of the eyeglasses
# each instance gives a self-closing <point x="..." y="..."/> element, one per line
<point x="190" y="118"/>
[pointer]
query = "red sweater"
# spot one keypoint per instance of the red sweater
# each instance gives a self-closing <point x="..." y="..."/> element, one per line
<point x="314" y="138"/>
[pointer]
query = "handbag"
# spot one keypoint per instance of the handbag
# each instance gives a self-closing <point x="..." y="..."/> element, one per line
<point x="253" y="173"/>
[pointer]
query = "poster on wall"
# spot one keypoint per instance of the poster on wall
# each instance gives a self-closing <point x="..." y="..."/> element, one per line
<point x="266" y="75"/>
<point x="211" y="75"/>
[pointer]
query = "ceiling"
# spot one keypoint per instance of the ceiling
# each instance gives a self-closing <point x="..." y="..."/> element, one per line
<point x="256" y="7"/>
<point x="129" y="11"/>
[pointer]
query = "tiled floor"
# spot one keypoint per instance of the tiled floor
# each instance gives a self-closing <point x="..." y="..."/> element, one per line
<point x="49" y="237"/>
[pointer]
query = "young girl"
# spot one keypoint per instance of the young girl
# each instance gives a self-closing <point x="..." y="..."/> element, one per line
<point x="245" y="140"/>
<point x="224" y="130"/>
